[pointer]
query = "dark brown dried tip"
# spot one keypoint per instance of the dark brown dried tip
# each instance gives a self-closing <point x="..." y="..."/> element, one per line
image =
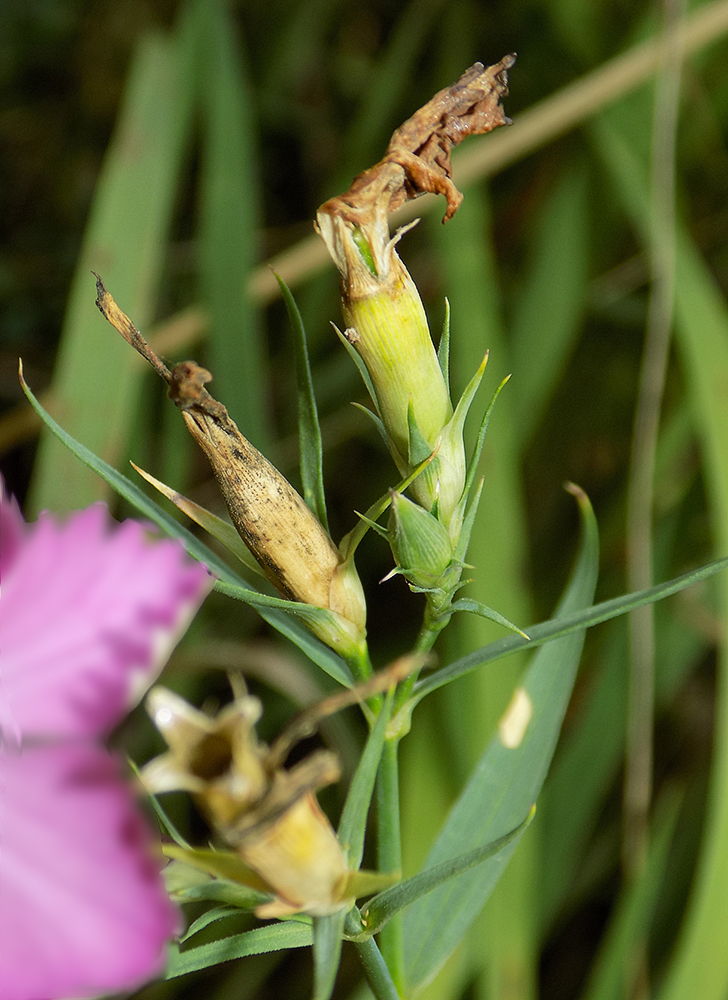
<point x="186" y="381"/>
<point x="422" y="146"/>
<point x="121" y="322"/>
<point x="187" y="389"/>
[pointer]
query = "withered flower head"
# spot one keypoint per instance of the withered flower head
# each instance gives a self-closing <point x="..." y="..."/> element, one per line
<point x="386" y="321"/>
<point x="287" y="540"/>
<point x="270" y="816"/>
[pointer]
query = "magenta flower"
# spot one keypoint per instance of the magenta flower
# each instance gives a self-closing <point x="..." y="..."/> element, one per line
<point x="89" y="616"/>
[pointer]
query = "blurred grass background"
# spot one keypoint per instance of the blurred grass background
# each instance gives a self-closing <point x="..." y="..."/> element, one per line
<point x="177" y="146"/>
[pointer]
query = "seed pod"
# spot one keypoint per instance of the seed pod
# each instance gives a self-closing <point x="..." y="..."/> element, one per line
<point x="289" y="543"/>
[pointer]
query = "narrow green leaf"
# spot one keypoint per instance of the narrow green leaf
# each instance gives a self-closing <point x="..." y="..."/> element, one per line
<point x="351" y="540"/>
<point x="474" y="459"/>
<point x="97" y="379"/>
<point x="266" y="606"/>
<point x="564" y="625"/>
<point x="327" y="939"/>
<point x="584" y="773"/>
<point x="700" y="964"/>
<point x="210" y="917"/>
<point x="220" y="864"/>
<point x="274" y="937"/>
<point x="362" y="368"/>
<point x="504" y="946"/>
<point x="504" y="785"/>
<point x="477" y="608"/>
<point x="388" y="903"/>
<point x="587" y="762"/>
<point x="161" y="814"/>
<point x="418" y="446"/>
<point x="223" y="892"/>
<point x="376" y="420"/>
<point x="352" y="825"/>
<point x="309" y="430"/>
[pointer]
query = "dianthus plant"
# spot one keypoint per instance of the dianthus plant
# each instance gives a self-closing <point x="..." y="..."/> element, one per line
<point x="274" y="851"/>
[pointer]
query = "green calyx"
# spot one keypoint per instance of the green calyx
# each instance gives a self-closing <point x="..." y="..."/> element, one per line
<point x="420" y="544"/>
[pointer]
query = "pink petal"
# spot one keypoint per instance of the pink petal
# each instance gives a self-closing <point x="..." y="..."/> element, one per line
<point x="11" y="529"/>
<point x="83" y="911"/>
<point x="90" y="616"/>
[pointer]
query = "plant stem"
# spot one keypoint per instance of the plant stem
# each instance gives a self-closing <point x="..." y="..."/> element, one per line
<point x="376" y="971"/>
<point x="360" y="664"/>
<point x="389" y="845"/>
<point x="641" y="491"/>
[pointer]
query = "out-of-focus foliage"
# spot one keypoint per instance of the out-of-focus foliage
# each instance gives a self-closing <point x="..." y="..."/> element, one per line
<point x="175" y="146"/>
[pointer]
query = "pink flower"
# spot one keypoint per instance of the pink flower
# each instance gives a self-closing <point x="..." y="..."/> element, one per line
<point x="89" y="616"/>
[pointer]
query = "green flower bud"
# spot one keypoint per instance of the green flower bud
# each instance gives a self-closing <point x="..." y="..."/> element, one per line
<point x="387" y="326"/>
<point x="420" y="543"/>
<point x="386" y="322"/>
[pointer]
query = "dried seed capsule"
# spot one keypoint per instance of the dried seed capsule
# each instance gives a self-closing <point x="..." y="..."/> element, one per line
<point x="289" y="543"/>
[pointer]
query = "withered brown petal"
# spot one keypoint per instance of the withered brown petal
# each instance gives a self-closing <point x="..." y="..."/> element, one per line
<point x="417" y="160"/>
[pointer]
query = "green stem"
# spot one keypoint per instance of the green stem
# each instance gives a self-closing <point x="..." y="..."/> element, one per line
<point x="433" y="623"/>
<point x="389" y="844"/>
<point x="376" y="971"/>
<point x="360" y="664"/>
<point x="389" y="839"/>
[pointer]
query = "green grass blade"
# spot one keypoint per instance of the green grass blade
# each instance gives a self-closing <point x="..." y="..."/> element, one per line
<point x="700" y="965"/>
<point x="229" y="224"/>
<point x="97" y="379"/>
<point x="309" y="430"/>
<point x="551" y="302"/>
<point x="275" y="937"/>
<point x="613" y="974"/>
<point x="503" y="786"/>
<point x="380" y="111"/>
<point x="327" y="940"/>
<point x="391" y="901"/>
<point x="498" y="550"/>
<point x="588" y="760"/>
